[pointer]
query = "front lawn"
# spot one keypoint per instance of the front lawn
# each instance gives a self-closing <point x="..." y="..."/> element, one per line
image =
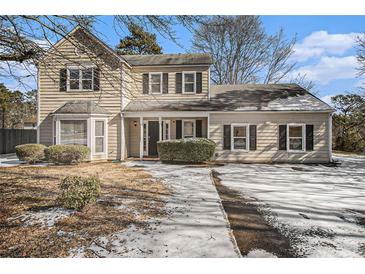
<point x="32" y="224"/>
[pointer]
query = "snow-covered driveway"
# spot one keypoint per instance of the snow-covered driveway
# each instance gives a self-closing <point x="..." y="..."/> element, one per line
<point x="321" y="209"/>
<point x="194" y="227"/>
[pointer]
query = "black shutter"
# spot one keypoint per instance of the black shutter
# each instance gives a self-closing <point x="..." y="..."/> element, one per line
<point x="165" y="83"/>
<point x="253" y="134"/>
<point x="96" y="79"/>
<point x="63" y="79"/>
<point x="178" y="82"/>
<point x="199" y="85"/>
<point x="145" y="83"/>
<point x="199" y="128"/>
<point x="227" y="137"/>
<point x="282" y="137"/>
<point x="178" y="129"/>
<point x="309" y="137"/>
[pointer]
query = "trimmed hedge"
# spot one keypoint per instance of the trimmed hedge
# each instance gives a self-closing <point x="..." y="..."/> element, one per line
<point x="31" y="153"/>
<point x="192" y="150"/>
<point x="76" y="191"/>
<point x="66" y="154"/>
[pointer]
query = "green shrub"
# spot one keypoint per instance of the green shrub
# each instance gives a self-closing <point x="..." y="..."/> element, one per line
<point x="76" y="191"/>
<point x="66" y="154"/>
<point x="192" y="150"/>
<point x="30" y="153"/>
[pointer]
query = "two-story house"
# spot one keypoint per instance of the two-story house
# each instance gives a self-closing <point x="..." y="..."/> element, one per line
<point x="120" y="106"/>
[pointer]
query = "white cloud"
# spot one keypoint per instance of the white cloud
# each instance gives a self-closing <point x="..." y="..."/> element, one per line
<point x="328" y="69"/>
<point x="327" y="99"/>
<point x="321" y="43"/>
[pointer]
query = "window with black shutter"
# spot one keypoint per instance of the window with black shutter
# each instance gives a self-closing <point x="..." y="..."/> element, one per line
<point x="96" y="79"/>
<point x="309" y="138"/>
<point x="227" y="137"/>
<point x="178" y="84"/>
<point x="199" y="128"/>
<point x="145" y="83"/>
<point x="282" y="137"/>
<point x="178" y="129"/>
<point x="165" y="83"/>
<point x="253" y="137"/>
<point x="199" y="84"/>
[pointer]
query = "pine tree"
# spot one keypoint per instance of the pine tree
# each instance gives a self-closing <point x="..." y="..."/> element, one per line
<point x="138" y="42"/>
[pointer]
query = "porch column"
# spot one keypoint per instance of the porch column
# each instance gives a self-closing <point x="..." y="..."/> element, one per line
<point x="141" y="138"/>
<point x="122" y="138"/>
<point x="160" y="128"/>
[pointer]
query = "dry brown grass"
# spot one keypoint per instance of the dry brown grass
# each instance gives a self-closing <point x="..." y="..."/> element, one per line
<point x="129" y="195"/>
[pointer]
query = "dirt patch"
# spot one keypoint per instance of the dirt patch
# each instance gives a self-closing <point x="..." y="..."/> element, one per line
<point x="249" y="227"/>
<point x="128" y="196"/>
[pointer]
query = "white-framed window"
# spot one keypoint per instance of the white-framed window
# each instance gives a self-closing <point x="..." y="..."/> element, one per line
<point x="189" y="82"/>
<point x="295" y="137"/>
<point x="188" y="129"/>
<point x="166" y="130"/>
<point x="99" y="136"/>
<point x="73" y="132"/>
<point x="145" y="137"/>
<point x="80" y="78"/>
<point x="155" y="80"/>
<point x="239" y="137"/>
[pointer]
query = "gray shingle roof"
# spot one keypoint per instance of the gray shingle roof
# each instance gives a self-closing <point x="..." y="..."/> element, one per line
<point x="81" y="107"/>
<point x="273" y="97"/>
<point x="169" y="59"/>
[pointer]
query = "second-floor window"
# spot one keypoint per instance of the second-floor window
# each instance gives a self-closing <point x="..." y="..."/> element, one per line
<point x="80" y="78"/>
<point x="189" y="82"/>
<point x="156" y="82"/>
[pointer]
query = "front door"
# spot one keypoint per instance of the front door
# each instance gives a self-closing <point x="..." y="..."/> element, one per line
<point x="153" y="136"/>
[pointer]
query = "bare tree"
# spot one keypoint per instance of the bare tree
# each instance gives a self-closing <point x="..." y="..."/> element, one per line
<point x="242" y="51"/>
<point x="301" y="80"/>
<point x="360" y="40"/>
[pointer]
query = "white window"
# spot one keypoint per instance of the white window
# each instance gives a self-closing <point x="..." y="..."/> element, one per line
<point x="165" y="130"/>
<point x="80" y="78"/>
<point x="155" y="82"/>
<point x="296" y="133"/>
<point x="189" y="82"/>
<point x="145" y="134"/>
<point x="73" y="132"/>
<point x="188" y="129"/>
<point x="239" y="137"/>
<point x="99" y="136"/>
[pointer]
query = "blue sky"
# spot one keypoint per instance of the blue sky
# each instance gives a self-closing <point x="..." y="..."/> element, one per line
<point x="324" y="52"/>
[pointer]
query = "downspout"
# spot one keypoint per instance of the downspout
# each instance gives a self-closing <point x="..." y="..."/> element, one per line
<point x="38" y="107"/>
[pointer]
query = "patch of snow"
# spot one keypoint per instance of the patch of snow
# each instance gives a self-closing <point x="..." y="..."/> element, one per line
<point x="260" y="253"/>
<point x="321" y="209"/>
<point x="46" y="217"/>
<point x="194" y="225"/>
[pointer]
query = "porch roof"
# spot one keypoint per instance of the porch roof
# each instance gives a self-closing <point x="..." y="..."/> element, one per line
<point x="81" y="107"/>
<point x="273" y="97"/>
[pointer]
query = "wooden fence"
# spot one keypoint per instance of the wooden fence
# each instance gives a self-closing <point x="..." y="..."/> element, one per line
<point x="10" y="138"/>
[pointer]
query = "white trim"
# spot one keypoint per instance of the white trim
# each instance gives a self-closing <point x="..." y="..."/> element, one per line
<point x="160" y="128"/>
<point x="168" y="114"/>
<point x="247" y="126"/>
<point x="208" y="83"/>
<point x="208" y="125"/>
<point x="183" y="82"/>
<point x="80" y="68"/>
<point x="150" y="82"/>
<point x="329" y="137"/>
<point x="83" y="115"/>
<point x="183" y="127"/>
<point x="303" y="138"/>
<point x="122" y="138"/>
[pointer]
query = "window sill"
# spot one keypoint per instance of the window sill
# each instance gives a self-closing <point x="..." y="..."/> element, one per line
<point x="296" y="151"/>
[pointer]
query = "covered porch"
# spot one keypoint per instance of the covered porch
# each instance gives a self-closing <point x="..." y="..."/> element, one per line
<point x="144" y="130"/>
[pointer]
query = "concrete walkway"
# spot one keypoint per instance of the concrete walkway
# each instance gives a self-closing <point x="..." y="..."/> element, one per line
<point x="195" y="225"/>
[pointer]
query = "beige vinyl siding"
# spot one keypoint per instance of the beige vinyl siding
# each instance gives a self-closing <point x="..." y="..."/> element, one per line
<point x="136" y="82"/>
<point x="51" y="98"/>
<point x="267" y="137"/>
